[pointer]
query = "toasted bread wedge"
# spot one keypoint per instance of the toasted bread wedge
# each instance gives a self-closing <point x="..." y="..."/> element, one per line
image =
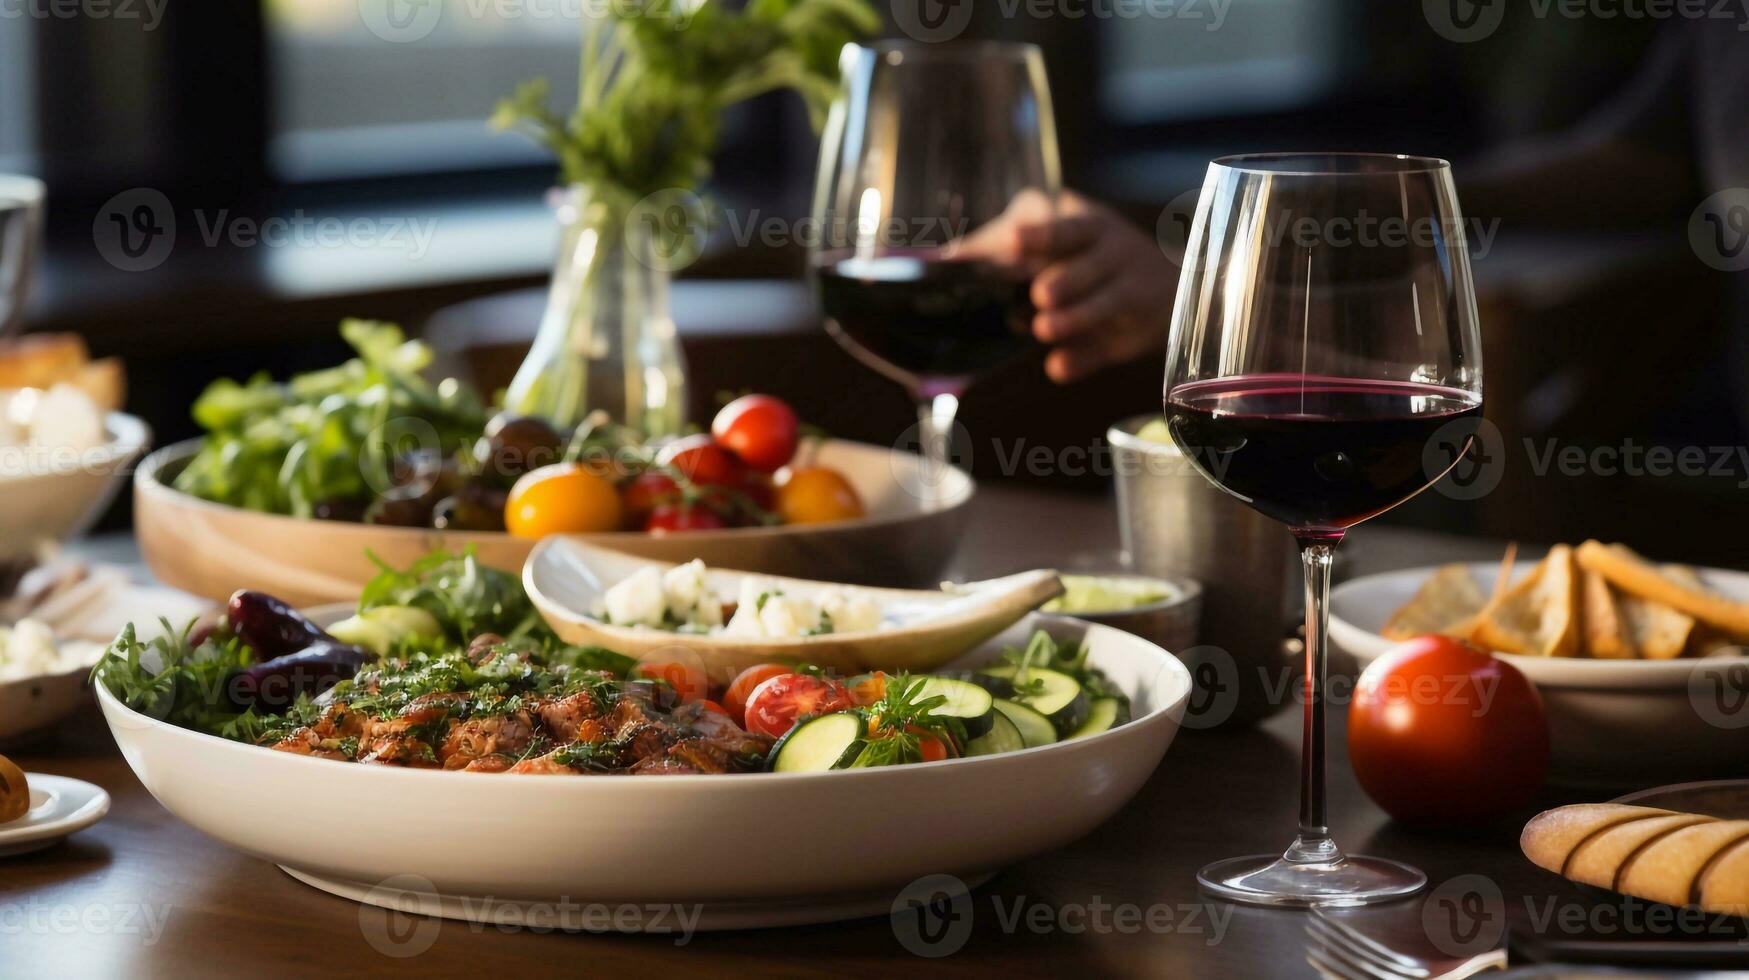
<point x="1606" y="636"/>
<point x="1551" y="837"/>
<point x="1539" y="615"/>
<point x="38" y="360"/>
<point x="1634" y="575"/>
<point x="1445" y="603"/>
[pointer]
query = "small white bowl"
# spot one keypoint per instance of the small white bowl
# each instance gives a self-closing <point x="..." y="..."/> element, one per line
<point x="32" y="703"/>
<point x="62" y="496"/>
<point x="753" y="849"/>
<point x="1612" y="723"/>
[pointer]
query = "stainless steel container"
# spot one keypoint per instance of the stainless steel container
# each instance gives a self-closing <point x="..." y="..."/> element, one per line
<point x="1175" y="524"/>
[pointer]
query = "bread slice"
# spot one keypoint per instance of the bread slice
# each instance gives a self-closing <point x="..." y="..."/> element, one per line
<point x="1551" y="836"/>
<point x="1632" y="574"/>
<point x="1606" y="635"/>
<point x="1668" y="869"/>
<point x="1724" y="882"/>
<point x="1600" y="859"/>
<point x="1657" y="631"/>
<point x="1539" y="615"/>
<point x="1445" y="603"/>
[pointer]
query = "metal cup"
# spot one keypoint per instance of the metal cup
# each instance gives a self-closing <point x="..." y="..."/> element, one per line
<point x="1177" y="524"/>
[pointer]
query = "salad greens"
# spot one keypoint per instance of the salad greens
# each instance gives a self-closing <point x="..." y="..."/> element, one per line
<point x="328" y="435"/>
<point x="466" y="597"/>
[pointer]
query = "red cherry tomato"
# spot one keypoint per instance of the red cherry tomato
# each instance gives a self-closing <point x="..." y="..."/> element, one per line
<point x="1442" y="733"/>
<point x="933" y="747"/>
<point x="778" y="702"/>
<point x="688" y="680"/>
<point x="703" y="462"/>
<point x="647" y="491"/>
<point x="760" y="429"/>
<point x="735" y="698"/>
<point x="682" y="517"/>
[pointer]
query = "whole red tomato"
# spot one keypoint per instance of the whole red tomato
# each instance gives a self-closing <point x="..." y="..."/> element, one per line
<point x="1442" y="733"/>
<point x="776" y="704"/>
<point x="703" y="462"/>
<point x="760" y="429"/>
<point x="647" y="491"/>
<point x="682" y="517"/>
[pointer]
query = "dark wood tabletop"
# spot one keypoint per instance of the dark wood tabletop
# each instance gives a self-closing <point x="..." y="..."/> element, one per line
<point x="142" y="894"/>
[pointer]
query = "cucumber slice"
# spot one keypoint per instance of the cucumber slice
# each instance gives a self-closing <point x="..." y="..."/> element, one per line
<point x="968" y="702"/>
<point x="818" y="744"/>
<point x="1106" y="714"/>
<point x="1002" y="737"/>
<point x="1035" y="729"/>
<point x="1051" y="693"/>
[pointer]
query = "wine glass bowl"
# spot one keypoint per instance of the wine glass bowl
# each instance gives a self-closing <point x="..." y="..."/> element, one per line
<point x="1324" y="348"/>
<point x="930" y="157"/>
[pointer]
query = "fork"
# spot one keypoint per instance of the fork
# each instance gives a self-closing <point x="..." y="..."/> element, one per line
<point x="1339" y="950"/>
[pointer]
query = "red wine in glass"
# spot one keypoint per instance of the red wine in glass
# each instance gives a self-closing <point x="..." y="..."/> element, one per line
<point x="928" y="322"/>
<point x="1316" y="453"/>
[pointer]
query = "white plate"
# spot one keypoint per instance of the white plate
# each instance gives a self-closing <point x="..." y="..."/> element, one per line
<point x="1613" y="723"/>
<point x="756" y="849"/>
<point x="58" y="806"/>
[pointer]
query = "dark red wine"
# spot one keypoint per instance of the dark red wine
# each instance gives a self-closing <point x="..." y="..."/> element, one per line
<point x="924" y="321"/>
<point x="1318" y="453"/>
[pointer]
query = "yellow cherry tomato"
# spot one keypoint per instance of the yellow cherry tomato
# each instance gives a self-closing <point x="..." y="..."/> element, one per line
<point x="563" y="498"/>
<point x="816" y="494"/>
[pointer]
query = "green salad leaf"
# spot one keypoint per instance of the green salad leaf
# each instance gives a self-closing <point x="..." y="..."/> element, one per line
<point x="466" y="597"/>
<point x="328" y="435"/>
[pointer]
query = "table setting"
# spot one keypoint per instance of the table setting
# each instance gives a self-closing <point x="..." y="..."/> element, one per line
<point x="376" y="671"/>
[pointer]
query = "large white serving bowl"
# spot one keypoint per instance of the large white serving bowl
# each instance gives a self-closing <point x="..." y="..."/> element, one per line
<point x="1612" y="723"/>
<point x="752" y="849"/>
<point x="60" y="494"/>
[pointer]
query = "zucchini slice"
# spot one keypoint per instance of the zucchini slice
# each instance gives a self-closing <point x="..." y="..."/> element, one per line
<point x="1035" y="729"/>
<point x="1051" y="693"/>
<point x="966" y="701"/>
<point x="1106" y="714"/>
<point x="818" y="744"/>
<point x="1002" y="737"/>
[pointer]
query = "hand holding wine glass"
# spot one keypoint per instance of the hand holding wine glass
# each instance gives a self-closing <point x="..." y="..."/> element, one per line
<point x="1325" y="336"/>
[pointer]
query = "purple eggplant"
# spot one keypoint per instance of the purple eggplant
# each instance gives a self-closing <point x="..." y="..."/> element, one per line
<point x="271" y="687"/>
<point x="269" y="626"/>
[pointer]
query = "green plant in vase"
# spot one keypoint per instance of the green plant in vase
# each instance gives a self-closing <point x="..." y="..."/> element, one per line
<point x="654" y="79"/>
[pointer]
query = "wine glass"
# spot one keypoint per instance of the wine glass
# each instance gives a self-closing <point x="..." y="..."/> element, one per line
<point x="1324" y="357"/>
<point x="21" y="212"/>
<point x="930" y="154"/>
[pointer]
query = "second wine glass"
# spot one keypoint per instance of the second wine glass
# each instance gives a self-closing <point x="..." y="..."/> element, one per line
<point x="929" y="157"/>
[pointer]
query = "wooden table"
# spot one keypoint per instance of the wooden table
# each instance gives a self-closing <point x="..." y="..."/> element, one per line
<point x="142" y="894"/>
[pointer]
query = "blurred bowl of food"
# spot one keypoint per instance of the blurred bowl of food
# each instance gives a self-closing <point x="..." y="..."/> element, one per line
<point x="1164" y="611"/>
<point x="64" y="450"/>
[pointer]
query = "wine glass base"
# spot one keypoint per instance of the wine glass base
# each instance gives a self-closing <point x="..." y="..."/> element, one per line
<point x="1267" y="879"/>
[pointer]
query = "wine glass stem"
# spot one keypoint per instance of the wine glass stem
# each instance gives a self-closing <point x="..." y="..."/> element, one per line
<point x="935" y="415"/>
<point x="1313" y="845"/>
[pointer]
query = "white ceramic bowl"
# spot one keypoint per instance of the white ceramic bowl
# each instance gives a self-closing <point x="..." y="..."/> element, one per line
<point x="30" y="704"/>
<point x="753" y="849"/>
<point x="566" y="580"/>
<point x="59" y="496"/>
<point x="212" y="549"/>
<point x="1612" y="723"/>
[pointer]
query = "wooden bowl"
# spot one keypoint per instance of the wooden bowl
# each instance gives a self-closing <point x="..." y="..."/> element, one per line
<point x="214" y="549"/>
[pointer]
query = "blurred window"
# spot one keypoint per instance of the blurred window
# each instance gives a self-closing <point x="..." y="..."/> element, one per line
<point x="1214" y="59"/>
<point x="365" y="88"/>
<point x="16" y="67"/>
